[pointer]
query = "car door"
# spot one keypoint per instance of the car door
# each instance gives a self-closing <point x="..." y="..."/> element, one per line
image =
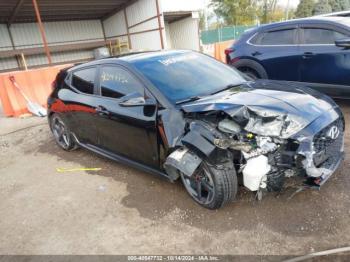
<point x="125" y="129"/>
<point x="277" y="50"/>
<point x="323" y="63"/>
<point x="80" y="101"/>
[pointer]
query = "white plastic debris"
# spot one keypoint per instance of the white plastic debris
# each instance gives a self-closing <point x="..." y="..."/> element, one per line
<point x="254" y="173"/>
<point x="102" y="188"/>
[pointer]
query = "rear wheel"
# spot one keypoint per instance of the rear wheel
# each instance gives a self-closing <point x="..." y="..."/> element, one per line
<point x="211" y="187"/>
<point x="250" y="72"/>
<point x="61" y="133"/>
<point x="252" y="68"/>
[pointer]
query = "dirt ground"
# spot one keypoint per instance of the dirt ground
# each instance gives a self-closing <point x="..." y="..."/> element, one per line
<point x="120" y="210"/>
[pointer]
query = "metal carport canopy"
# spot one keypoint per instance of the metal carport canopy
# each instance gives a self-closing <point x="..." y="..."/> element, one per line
<point x="22" y="11"/>
<point x="28" y="11"/>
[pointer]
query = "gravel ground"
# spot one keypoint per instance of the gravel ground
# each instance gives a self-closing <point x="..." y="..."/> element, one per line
<point x="120" y="210"/>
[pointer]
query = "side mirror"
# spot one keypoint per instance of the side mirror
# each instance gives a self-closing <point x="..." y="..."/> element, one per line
<point x="137" y="100"/>
<point x="343" y="42"/>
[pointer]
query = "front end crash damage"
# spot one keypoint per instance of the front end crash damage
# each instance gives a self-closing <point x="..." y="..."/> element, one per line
<point x="322" y="151"/>
<point x="182" y="160"/>
<point x="265" y="145"/>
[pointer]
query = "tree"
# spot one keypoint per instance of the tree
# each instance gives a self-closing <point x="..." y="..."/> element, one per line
<point x="279" y="14"/>
<point x="268" y="9"/>
<point x="202" y="21"/>
<point x="305" y="8"/>
<point x="322" y="7"/>
<point x="339" y="5"/>
<point x="247" y="12"/>
<point x="236" y="12"/>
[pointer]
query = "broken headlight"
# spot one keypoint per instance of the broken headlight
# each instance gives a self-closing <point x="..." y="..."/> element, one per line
<point x="277" y="125"/>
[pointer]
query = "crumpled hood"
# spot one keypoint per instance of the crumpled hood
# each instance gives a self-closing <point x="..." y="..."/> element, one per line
<point x="290" y="104"/>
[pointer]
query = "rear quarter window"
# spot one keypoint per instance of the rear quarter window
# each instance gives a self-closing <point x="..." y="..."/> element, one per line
<point x="278" y="37"/>
<point x="83" y="80"/>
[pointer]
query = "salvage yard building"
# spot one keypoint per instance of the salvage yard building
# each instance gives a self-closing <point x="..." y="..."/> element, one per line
<point x="37" y="33"/>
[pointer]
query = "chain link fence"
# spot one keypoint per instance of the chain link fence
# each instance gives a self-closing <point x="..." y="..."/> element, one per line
<point x="223" y="34"/>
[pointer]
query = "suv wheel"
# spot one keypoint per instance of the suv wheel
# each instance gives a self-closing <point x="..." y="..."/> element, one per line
<point x="211" y="187"/>
<point x="250" y="73"/>
<point x="252" y="68"/>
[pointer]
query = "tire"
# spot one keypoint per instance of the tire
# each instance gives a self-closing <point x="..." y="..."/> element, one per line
<point x="251" y="68"/>
<point x="223" y="184"/>
<point x="252" y="74"/>
<point x="61" y="133"/>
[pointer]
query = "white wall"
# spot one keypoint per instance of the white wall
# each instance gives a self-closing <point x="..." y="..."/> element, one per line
<point x="115" y="25"/>
<point x="8" y="63"/>
<point x="5" y="44"/>
<point x="184" y="34"/>
<point x="140" y="11"/>
<point x="182" y="5"/>
<point x="136" y="13"/>
<point x="27" y="35"/>
<point x="167" y="36"/>
<point x="59" y="57"/>
<point x="5" y="41"/>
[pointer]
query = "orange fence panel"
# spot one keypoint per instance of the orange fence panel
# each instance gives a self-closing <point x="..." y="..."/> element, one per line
<point x="35" y="83"/>
<point x="219" y="50"/>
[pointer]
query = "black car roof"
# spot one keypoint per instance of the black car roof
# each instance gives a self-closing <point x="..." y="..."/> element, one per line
<point x="343" y="21"/>
<point x="129" y="58"/>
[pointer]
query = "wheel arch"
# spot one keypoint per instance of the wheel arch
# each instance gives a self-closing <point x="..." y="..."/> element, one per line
<point x="194" y="147"/>
<point x="251" y="64"/>
<point x="62" y="131"/>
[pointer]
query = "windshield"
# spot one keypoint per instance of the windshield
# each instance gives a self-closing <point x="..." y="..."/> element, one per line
<point x="182" y="75"/>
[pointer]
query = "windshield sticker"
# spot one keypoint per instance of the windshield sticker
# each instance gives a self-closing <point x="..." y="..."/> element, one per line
<point x="113" y="77"/>
<point x="176" y="59"/>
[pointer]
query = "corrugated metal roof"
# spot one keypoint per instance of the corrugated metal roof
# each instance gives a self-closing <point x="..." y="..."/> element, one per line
<point x="176" y="16"/>
<point x="17" y="11"/>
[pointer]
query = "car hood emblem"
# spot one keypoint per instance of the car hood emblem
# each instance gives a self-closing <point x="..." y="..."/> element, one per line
<point x="333" y="132"/>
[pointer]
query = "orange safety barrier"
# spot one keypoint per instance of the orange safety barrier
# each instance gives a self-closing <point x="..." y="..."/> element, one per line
<point x="35" y="83"/>
<point x="219" y="50"/>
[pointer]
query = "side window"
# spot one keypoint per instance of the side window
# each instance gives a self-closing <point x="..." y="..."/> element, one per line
<point x="116" y="82"/>
<point x="83" y="80"/>
<point x="321" y="36"/>
<point x="280" y="37"/>
<point x="256" y="39"/>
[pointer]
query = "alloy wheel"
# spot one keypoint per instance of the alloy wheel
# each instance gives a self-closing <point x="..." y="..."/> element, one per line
<point x="200" y="185"/>
<point x="61" y="133"/>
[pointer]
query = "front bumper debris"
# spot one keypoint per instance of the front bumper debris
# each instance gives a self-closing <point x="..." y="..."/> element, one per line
<point x="325" y="154"/>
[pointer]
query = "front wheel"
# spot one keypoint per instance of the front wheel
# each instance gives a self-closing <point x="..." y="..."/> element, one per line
<point x="211" y="187"/>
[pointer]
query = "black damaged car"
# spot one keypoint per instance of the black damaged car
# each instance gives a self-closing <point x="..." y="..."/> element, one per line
<point x="182" y="114"/>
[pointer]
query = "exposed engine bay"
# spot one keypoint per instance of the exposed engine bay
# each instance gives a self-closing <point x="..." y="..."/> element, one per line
<point x="265" y="146"/>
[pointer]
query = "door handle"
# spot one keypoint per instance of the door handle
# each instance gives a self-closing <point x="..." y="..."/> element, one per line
<point x="307" y="55"/>
<point x="101" y="110"/>
<point x="256" y="53"/>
